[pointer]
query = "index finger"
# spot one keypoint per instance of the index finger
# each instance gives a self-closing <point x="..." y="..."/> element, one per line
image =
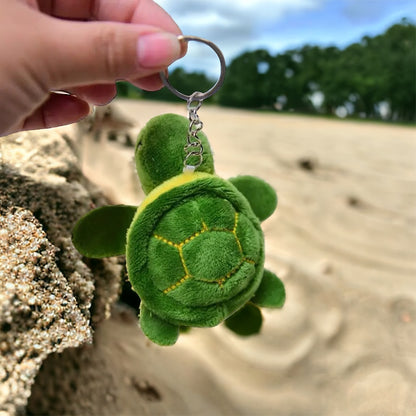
<point x="145" y="12"/>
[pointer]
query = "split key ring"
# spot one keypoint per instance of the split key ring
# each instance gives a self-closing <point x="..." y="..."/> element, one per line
<point x="199" y="96"/>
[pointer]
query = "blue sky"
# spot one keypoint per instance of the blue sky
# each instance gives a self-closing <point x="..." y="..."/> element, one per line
<point x="277" y="25"/>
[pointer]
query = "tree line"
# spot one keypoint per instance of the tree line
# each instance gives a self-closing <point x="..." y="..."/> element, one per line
<point x="374" y="78"/>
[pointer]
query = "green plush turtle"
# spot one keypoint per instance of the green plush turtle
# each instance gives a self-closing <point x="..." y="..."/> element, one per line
<point x="194" y="247"/>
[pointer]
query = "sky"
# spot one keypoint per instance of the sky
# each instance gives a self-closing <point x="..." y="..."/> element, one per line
<point x="278" y="25"/>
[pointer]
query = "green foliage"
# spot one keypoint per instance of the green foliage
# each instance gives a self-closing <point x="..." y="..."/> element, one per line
<point x="376" y="70"/>
<point x="185" y="82"/>
<point x="248" y="82"/>
<point x="399" y="70"/>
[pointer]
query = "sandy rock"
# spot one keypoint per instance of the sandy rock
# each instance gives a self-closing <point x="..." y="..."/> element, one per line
<point x="39" y="313"/>
<point x="49" y="298"/>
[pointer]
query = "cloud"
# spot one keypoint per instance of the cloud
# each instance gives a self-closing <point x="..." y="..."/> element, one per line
<point x="207" y="15"/>
<point x="358" y="10"/>
<point x="370" y="11"/>
<point x="234" y="26"/>
<point x="254" y="7"/>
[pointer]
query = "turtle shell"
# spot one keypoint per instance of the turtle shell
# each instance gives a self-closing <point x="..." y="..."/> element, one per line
<point x="195" y="250"/>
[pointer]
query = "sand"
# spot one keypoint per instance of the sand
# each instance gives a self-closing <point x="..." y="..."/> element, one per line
<point x="343" y="240"/>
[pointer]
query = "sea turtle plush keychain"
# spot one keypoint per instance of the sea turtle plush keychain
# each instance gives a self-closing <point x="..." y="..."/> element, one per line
<point x="194" y="247"/>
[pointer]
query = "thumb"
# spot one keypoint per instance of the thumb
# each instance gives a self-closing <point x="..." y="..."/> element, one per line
<point x="82" y="53"/>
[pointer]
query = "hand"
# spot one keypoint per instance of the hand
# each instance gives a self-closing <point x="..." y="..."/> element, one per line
<point x="79" y="46"/>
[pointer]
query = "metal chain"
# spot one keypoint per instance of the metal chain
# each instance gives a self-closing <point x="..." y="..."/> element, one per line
<point x="194" y="149"/>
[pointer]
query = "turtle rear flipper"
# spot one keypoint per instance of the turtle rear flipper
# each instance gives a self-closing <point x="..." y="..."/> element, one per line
<point x="156" y="329"/>
<point x="261" y="196"/>
<point x="271" y="293"/>
<point x="103" y="231"/>
<point x="246" y="321"/>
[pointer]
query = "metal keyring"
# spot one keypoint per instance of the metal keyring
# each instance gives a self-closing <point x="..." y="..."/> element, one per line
<point x="204" y="95"/>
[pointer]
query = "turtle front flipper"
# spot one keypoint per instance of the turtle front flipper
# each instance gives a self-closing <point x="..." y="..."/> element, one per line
<point x="246" y="321"/>
<point x="103" y="231"/>
<point x="271" y="292"/>
<point x="156" y="329"/>
<point x="261" y="196"/>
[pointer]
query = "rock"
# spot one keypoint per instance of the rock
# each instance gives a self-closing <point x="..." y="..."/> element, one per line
<point x="50" y="299"/>
<point x="39" y="313"/>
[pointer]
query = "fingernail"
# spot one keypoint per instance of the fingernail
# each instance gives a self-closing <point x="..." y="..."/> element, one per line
<point x="158" y="50"/>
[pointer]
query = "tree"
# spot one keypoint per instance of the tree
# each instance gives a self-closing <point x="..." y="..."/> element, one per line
<point x="185" y="82"/>
<point x="248" y="81"/>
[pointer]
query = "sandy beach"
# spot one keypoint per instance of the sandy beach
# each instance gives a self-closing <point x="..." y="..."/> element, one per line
<point x="342" y="239"/>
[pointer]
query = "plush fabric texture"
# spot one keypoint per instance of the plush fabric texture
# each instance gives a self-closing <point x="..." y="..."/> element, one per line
<point x="156" y="329"/>
<point x="246" y="321"/>
<point x="271" y="293"/>
<point x="160" y="150"/>
<point x="195" y="253"/>
<point x="102" y="232"/>
<point x="260" y="194"/>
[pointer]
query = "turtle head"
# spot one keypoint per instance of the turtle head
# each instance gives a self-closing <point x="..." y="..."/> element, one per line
<point x="160" y="153"/>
